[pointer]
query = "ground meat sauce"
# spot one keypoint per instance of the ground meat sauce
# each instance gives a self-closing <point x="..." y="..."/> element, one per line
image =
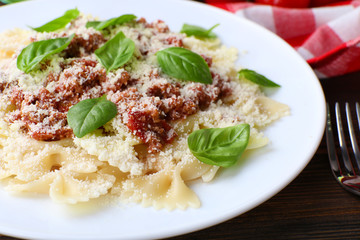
<point x="148" y="115"/>
<point x="79" y="46"/>
<point x="43" y="115"/>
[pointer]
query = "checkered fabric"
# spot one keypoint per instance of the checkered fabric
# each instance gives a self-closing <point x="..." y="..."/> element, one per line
<point x="327" y="37"/>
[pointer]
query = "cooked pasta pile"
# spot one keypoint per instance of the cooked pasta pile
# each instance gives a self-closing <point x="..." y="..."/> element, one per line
<point x="142" y="154"/>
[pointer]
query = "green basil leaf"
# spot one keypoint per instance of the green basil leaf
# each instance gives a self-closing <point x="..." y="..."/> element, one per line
<point x="257" y="78"/>
<point x="184" y="64"/>
<point x="219" y="146"/>
<point x="98" y="25"/>
<point x="115" y="52"/>
<point x="59" y="22"/>
<point x="11" y="1"/>
<point x="199" y="32"/>
<point x="92" y="24"/>
<point x="90" y="114"/>
<point x="35" y="52"/>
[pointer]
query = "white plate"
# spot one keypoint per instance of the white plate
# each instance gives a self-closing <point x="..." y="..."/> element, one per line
<point x="294" y="139"/>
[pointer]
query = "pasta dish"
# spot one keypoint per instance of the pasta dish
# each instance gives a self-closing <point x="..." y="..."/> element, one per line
<point x="124" y="108"/>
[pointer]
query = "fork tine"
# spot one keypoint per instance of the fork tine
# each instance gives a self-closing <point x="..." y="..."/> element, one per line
<point x="345" y="154"/>
<point x="353" y="141"/>
<point x="333" y="159"/>
<point x="349" y="181"/>
<point x="358" y="113"/>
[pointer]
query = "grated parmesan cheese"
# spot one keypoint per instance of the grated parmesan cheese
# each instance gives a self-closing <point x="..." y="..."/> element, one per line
<point x="141" y="155"/>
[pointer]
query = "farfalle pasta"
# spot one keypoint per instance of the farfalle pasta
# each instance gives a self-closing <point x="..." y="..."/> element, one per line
<point x="142" y="154"/>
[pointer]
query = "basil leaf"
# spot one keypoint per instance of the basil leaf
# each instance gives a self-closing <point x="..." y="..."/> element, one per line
<point x="98" y="25"/>
<point x="59" y="22"/>
<point x="11" y="1"/>
<point x="115" y="52"/>
<point x="219" y="146"/>
<point x="184" y="64"/>
<point x="196" y="31"/>
<point x="92" y="24"/>
<point x="90" y="114"/>
<point x="257" y="78"/>
<point x="35" y="52"/>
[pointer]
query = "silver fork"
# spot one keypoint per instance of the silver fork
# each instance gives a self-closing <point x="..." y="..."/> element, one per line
<point x="348" y="178"/>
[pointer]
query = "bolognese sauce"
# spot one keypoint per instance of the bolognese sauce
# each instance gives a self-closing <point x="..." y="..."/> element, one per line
<point x="148" y="113"/>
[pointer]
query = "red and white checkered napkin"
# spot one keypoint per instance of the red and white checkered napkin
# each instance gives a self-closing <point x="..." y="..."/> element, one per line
<point x="328" y="38"/>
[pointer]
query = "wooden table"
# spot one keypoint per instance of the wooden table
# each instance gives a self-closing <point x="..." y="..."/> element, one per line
<point x="313" y="206"/>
